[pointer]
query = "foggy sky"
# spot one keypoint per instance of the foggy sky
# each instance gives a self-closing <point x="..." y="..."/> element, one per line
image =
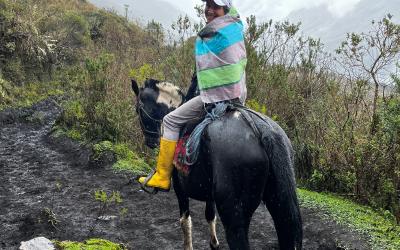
<point x="274" y="9"/>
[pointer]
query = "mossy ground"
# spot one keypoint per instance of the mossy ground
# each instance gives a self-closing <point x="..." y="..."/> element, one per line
<point x="91" y="244"/>
<point x="379" y="227"/>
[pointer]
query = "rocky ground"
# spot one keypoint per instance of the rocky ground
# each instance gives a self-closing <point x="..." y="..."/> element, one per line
<point x="47" y="189"/>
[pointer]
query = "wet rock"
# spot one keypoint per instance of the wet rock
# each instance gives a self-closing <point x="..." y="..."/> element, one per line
<point x="107" y="217"/>
<point x="39" y="243"/>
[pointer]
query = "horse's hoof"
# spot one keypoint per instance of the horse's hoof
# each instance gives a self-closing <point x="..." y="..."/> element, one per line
<point x="214" y="247"/>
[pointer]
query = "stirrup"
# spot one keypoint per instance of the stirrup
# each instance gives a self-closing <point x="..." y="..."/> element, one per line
<point x="152" y="190"/>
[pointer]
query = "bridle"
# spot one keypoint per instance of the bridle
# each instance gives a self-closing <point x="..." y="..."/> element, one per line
<point x="140" y="107"/>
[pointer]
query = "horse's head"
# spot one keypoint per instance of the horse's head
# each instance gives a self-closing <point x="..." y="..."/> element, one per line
<point x="153" y="102"/>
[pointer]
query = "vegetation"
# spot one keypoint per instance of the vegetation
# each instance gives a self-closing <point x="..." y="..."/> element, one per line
<point x="25" y="96"/>
<point x="127" y="160"/>
<point x="106" y="203"/>
<point x="91" y="244"/>
<point x="379" y="227"/>
<point x="342" y="111"/>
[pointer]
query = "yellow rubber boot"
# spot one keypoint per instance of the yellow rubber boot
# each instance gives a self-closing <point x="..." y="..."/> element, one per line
<point x="161" y="179"/>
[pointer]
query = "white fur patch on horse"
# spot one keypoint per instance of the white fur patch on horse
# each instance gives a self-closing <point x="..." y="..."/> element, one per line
<point x="214" y="240"/>
<point x="236" y="114"/>
<point x="169" y="94"/>
<point x="186" y="225"/>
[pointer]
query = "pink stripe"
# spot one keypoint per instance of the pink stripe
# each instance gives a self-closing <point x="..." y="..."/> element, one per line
<point x="231" y="55"/>
<point x="220" y="22"/>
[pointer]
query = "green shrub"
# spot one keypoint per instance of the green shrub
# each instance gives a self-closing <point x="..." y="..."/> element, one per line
<point x="73" y="113"/>
<point x="14" y="71"/>
<point x="28" y="94"/>
<point x="256" y="106"/>
<point x="76" y="28"/>
<point x="144" y="72"/>
<point x="127" y="160"/>
<point x="75" y="134"/>
<point x="5" y="93"/>
<point x="102" y="148"/>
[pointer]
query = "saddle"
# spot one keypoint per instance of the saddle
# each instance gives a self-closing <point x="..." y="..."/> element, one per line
<point x="180" y="157"/>
<point x="187" y="148"/>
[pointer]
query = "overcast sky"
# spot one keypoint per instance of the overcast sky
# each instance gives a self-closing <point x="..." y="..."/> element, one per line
<point x="273" y="9"/>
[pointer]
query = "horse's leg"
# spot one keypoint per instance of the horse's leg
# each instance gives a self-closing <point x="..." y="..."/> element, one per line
<point x="186" y="225"/>
<point x="212" y="222"/>
<point x="237" y="194"/>
<point x="236" y="223"/>
<point x="185" y="219"/>
<point x="184" y="212"/>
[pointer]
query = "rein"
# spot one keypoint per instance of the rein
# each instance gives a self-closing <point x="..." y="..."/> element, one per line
<point x="141" y="109"/>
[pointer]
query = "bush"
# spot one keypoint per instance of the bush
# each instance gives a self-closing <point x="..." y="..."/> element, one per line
<point x="28" y="94"/>
<point x="73" y="113"/>
<point x="127" y="160"/>
<point x="5" y="93"/>
<point x="14" y="71"/>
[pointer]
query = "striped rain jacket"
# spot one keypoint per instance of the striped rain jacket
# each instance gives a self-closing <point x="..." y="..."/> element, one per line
<point x="221" y="59"/>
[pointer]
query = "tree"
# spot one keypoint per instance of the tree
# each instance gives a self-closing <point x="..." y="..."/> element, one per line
<point x="370" y="56"/>
<point x="396" y="78"/>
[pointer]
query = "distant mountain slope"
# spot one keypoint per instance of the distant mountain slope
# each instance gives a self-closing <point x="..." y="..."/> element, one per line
<point x="320" y="23"/>
<point x="143" y="11"/>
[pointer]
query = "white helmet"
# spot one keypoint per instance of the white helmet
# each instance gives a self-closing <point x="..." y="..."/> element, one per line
<point x="227" y="3"/>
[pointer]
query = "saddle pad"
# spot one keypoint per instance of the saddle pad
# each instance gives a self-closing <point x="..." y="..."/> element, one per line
<point x="180" y="155"/>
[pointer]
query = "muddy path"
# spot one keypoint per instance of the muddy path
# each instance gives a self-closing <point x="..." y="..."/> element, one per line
<point x="47" y="189"/>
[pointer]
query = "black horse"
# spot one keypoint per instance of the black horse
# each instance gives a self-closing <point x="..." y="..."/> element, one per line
<point x="234" y="171"/>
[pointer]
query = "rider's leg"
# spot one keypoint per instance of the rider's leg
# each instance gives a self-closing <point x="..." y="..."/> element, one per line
<point x="172" y="123"/>
<point x="190" y="111"/>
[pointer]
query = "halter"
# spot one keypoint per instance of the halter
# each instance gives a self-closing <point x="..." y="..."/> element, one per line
<point x="141" y="109"/>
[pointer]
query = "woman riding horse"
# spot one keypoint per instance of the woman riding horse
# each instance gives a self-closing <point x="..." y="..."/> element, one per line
<point x="220" y="68"/>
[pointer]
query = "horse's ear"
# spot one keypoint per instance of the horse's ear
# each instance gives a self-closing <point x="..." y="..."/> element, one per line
<point x="135" y="87"/>
<point x="151" y="83"/>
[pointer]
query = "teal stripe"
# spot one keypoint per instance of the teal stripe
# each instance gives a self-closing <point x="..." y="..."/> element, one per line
<point x="224" y="38"/>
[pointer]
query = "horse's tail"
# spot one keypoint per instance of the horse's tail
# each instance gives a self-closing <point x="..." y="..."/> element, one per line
<point x="280" y="192"/>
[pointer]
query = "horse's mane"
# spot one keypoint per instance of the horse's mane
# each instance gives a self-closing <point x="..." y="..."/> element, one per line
<point x="169" y="94"/>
